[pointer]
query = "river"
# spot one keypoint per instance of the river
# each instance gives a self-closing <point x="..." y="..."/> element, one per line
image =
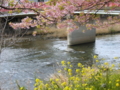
<point x="39" y="57"/>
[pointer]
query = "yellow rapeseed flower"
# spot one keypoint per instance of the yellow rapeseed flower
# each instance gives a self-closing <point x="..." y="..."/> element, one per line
<point x="69" y="70"/>
<point x="103" y="59"/>
<point x="97" y="60"/>
<point x="82" y="66"/>
<point x="77" y="85"/>
<point x="59" y="71"/>
<point x="109" y="81"/>
<point x="84" y="85"/>
<point x="117" y="84"/>
<point x="63" y="62"/>
<point x="68" y="63"/>
<point x="90" y="77"/>
<point x="37" y="80"/>
<point x="79" y="64"/>
<point x="66" y="88"/>
<point x="77" y="70"/>
<point x="49" y="89"/>
<point x="71" y="66"/>
<point x="56" y="80"/>
<point x="75" y="82"/>
<point x="113" y="65"/>
<point x="55" y="86"/>
<point x="115" y="57"/>
<point x="91" y="89"/>
<point x="53" y="82"/>
<point x="106" y="63"/>
<point x="95" y="56"/>
<point x="64" y="84"/>
<point x="70" y="74"/>
<point x="92" y="70"/>
<point x="35" y="84"/>
<point x="71" y="85"/>
<point x="46" y="85"/>
<point x="86" y="88"/>
<point x="70" y="88"/>
<point x="117" y="80"/>
<point x="77" y="79"/>
<point x="40" y="86"/>
<point x="35" y="89"/>
<point x="21" y="88"/>
<point x="72" y="78"/>
<point x="51" y="79"/>
<point x="65" y="68"/>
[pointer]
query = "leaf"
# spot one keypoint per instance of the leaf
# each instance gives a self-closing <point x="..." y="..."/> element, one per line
<point x="61" y="7"/>
<point x="83" y="31"/>
<point x="10" y="12"/>
<point x="38" y="26"/>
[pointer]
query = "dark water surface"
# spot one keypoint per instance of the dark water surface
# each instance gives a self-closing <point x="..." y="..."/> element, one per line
<point x="38" y="58"/>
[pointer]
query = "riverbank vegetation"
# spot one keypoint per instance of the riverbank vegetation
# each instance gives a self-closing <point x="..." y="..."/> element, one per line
<point x="100" y="77"/>
<point x="52" y="32"/>
<point x="108" y="30"/>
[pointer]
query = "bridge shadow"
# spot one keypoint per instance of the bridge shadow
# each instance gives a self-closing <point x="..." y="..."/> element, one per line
<point x="84" y="53"/>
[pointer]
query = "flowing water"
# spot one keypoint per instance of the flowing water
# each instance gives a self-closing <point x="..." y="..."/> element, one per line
<point x="38" y="57"/>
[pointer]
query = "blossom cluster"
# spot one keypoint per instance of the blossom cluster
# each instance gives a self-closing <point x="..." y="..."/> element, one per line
<point x="55" y="11"/>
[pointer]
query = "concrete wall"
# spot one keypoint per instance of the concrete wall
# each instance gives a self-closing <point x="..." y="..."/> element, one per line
<point x="80" y="36"/>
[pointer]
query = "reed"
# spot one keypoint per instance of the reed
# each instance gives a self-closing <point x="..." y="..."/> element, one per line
<point x="62" y="32"/>
<point x="108" y="30"/>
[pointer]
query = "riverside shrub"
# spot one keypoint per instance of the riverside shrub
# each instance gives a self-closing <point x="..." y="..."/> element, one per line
<point x="103" y="77"/>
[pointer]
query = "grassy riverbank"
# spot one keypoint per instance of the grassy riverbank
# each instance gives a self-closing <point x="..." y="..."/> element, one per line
<point x="52" y="32"/>
<point x="108" y="30"/>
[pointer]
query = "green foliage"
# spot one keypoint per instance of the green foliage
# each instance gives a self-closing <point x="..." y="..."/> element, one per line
<point x="112" y="30"/>
<point x="19" y="87"/>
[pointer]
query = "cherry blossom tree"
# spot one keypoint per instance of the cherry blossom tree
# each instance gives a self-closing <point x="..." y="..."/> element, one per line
<point x="57" y="12"/>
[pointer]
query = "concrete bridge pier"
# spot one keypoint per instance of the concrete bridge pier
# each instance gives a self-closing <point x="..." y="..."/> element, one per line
<point x="81" y="35"/>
